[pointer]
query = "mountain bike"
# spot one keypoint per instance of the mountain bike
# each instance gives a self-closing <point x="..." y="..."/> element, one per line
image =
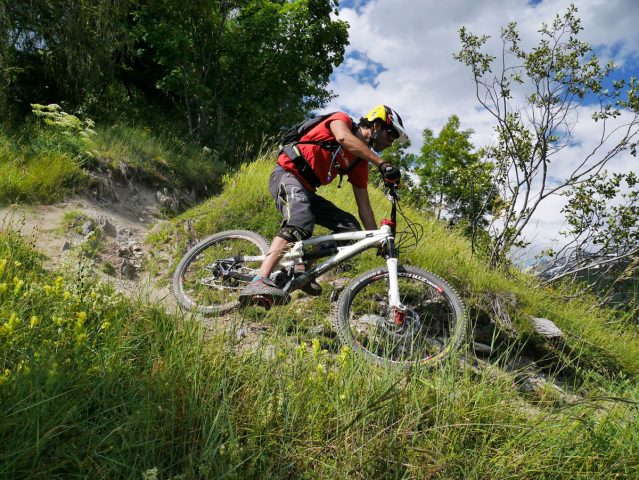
<point x="396" y="313"/>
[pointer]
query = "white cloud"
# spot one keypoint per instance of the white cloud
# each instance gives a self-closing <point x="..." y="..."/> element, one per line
<point x="415" y="41"/>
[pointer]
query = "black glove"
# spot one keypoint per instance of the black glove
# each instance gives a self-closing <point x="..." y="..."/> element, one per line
<point x="390" y="173"/>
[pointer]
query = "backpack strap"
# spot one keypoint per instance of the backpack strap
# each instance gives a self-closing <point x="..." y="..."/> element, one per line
<point x="343" y="171"/>
<point x="302" y="165"/>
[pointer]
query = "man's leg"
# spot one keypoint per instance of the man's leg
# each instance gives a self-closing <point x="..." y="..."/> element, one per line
<point x="293" y="202"/>
<point x="328" y="215"/>
<point x="273" y="256"/>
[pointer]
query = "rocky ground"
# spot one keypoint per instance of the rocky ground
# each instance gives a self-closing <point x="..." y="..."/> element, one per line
<point x="103" y="229"/>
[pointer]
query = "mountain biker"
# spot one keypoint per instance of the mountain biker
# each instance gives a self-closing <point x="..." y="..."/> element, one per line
<point x="294" y="181"/>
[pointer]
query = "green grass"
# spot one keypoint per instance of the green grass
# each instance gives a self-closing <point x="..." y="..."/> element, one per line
<point x="41" y="164"/>
<point x="35" y="176"/>
<point x="593" y="335"/>
<point x="102" y="386"/>
<point x="157" y="157"/>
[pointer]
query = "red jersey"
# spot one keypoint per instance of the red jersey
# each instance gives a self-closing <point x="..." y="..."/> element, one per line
<point x="321" y="159"/>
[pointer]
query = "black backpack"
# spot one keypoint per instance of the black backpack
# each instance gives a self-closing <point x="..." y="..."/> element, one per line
<point x="293" y="137"/>
<point x="294" y="134"/>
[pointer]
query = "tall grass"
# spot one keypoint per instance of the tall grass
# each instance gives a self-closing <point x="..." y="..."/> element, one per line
<point x="592" y="334"/>
<point x="32" y="174"/>
<point x="43" y="164"/>
<point x="158" y="157"/>
<point x="96" y="385"/>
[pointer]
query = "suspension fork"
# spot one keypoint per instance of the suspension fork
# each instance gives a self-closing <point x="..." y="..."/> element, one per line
<point x="393" y="284"/>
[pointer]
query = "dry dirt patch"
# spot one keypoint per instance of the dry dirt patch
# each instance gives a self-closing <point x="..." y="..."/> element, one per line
<point x="122" y="218"/>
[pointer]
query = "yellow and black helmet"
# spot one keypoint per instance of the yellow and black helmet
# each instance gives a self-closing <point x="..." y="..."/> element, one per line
<point x="391" y="118"/>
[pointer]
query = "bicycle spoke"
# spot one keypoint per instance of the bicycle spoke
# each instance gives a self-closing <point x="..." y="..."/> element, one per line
<point x="424" y="329"/>
<point x="212" y="274"/>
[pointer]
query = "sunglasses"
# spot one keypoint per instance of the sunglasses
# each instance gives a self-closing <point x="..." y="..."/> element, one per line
<point x="392" y="134"/>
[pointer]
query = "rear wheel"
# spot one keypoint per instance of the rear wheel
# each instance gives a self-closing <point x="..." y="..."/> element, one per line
<point x="431" y="325"/>
<point x="210" y="276"/>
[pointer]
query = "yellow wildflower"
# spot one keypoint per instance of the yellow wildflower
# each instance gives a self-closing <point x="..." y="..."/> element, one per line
<point x="34" y="321"/>
<point x="4" y="378"/>
<point x="321" y="369"/>
<point x="81" y="316"/>
<point x="342" y="396"/>
<point x="343" y="354"/>
<point x="17" y="285"/>
<point x="105" y="325"/>
<point x="3" y="287"/>
<point x="3" y="264"/>
<point x="9" y="327"/>
<point x="17" y="264"/>
<point x="66" y="295"/>
<point x="316" y="346"/>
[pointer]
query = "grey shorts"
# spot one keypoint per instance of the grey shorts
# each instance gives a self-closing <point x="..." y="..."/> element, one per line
<point x="304" y="209"/>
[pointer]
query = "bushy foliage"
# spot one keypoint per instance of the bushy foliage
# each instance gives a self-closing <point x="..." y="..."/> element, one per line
<point x="229" y="72"/>
<point x="454" y="181"/>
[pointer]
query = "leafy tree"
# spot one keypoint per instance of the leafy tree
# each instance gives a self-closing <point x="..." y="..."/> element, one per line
<point x="62" y="51"/>
<point x="240" y="69"/>
<point x="603" y="232"/>
<point x="534" y="97"/>
<point x="453" y="180"/>
<point x="229" y="71"/>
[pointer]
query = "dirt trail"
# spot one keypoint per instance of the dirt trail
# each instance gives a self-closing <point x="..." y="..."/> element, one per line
<point x="124" y="217"/>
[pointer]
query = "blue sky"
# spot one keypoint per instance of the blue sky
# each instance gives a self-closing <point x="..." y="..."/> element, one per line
<point x="401" y="54"/>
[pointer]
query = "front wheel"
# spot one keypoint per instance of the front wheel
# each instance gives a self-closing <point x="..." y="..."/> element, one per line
<point x="431" y="325"/>
<point x="210" y="276"/>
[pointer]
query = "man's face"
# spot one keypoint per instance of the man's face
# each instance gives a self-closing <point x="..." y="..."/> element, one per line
<point x="385" y="137"/>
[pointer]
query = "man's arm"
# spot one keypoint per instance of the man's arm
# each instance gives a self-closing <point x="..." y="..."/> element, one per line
<point x="351" y="143"/>
<point x="364" y="208"/>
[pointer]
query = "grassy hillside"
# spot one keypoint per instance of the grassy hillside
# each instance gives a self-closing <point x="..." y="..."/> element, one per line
<point x="44" y="162"/>
<point x="96" y="385"/>
<point x="592" y="334"/>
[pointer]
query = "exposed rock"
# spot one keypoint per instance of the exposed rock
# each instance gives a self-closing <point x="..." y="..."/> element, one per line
<point x="132" y="188"/>
<point x="174" y="200"/>
<point x="546" y="328"/>
<point x="166" y="201"/>
<point x="124" y="234"/>
<point x="101" y="186"/>
<point x="106" y="226"/>
<point x="87" y="227"/>
<point x="67" y="246"/>
<point x="129" y="269"/>
<point x="124" y="168"/>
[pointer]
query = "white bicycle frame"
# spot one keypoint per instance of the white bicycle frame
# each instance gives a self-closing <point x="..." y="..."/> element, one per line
<point x="364" y="240"/>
